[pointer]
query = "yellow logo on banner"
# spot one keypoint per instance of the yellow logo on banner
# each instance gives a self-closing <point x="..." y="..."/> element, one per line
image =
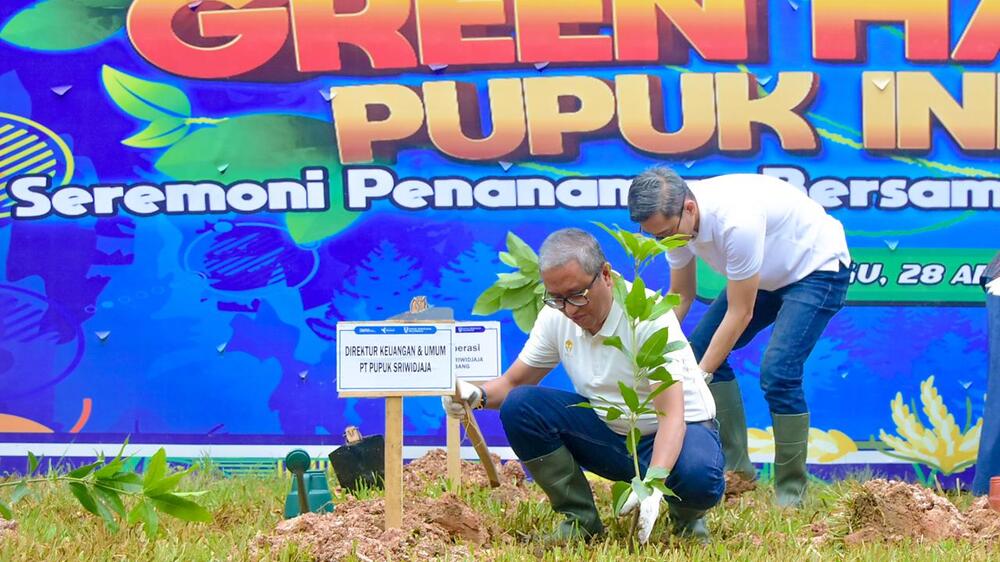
<point x="27" y="148"/>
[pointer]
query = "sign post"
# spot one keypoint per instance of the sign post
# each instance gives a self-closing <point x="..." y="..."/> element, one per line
<point x="392" y="359"/>
<point x="476" y="357"/>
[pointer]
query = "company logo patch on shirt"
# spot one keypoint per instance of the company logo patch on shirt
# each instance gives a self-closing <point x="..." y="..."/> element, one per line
<point x="569" y="346"/>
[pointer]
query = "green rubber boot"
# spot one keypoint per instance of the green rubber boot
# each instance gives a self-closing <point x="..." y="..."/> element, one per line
<point x="732" y="427"/>
<point x="562" y="480"/>
<point x="689" y="523"/>
<point x="791" y="446"/>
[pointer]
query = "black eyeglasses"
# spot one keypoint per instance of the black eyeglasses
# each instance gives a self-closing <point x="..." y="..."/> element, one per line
<point x="677" y="227"/>
<point x="577" y="300"/>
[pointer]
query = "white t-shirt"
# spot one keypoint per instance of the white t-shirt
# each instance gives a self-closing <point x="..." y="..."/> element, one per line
<point x="752" y="223"/>
<point x="595" y="368"/>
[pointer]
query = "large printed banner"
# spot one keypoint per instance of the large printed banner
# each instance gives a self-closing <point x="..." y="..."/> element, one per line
<point x="194" y="193"/>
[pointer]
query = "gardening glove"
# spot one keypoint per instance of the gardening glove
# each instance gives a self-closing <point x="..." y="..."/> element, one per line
<point x="471" y="395"/>
<point x="649" y="510"/>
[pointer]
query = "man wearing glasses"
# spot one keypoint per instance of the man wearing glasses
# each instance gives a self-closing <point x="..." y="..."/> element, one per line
<point x="786" y="264"/>
<point x="555" y="439"/>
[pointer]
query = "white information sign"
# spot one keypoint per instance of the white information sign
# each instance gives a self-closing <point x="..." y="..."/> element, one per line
<point x="395" y="359"/>
<point x="477" y="350"/>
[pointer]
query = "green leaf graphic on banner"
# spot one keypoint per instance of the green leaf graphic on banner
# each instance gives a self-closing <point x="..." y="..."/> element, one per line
<point x="65" y="25"/>
<point x="160" y="133"/>
<point x="264" y="147"/>
<point x="144" y="99"/>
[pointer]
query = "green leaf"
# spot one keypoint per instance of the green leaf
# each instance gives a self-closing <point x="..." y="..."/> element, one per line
<point x="84" y="470"/>
<point x="84" y="497"/>
<point x="619" y="494"/>
<point x="614" y="232"/>
<point x="540" y="290"/>
<point x="125" y="481"/>
<point x="630" y="241"/>
<point x="508" y="259"/>
<point x="614" y="413"/>
<point x="660" y="374"/>
<point x="516" y="298"/>
<point x="5" y="510"/>
<point x="105" y="511"/>
<point x="63" y="25"/>
<point x="673" y="346"/>
<point x="145" y="99"/>
<point x="635" y="303"/>
<point x="110" y="469"/>
<point x="512" y="280"/>
<point x="168" y="483"/>
<point x="629" y="396"/>
<point x="145" y="512"/>
<point x="660" y="388"/>
<point x="616" y="342"/>
<point x="640" y="488"/>
<point x="181" y="508"/>
<point x="632" y="440"/>
<point x="525" y="317"/>
<point x="156" y="469"/>
<point x="165" y="131"/>
<point x="110" y="497"/>
<point x="20" y="491"/>
<point x="32" y="463"/>
<point x="663" y="306"/>
<point x="525" y="257"/>
<point x="656" y="473"/>
<point x="659" y="485"/>
<point x="653" y="347"/>
<point x="587" y="405"/>
<point x="488" y="302"/>
<point x="620" y="290"/>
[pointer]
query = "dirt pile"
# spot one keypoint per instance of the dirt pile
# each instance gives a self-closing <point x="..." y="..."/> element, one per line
<point x="983" y="520"/>
<point x="434" y="466"/>
<point x="7" y="527"/>
<point x="431" y="527"/>
<point x="737" y="485"/>
<point x="890" y="510"/>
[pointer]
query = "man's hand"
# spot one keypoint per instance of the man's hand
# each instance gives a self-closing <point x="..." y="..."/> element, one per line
<point x="649" y="510"/>
<point x="470" y="394"/>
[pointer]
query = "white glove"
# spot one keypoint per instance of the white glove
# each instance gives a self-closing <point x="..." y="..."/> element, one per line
<point x="471" y="395"/>
<point x="649" y="510"/>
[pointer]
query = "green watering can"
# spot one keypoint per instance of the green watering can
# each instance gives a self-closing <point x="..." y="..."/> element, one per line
<point x="310" y="491"/>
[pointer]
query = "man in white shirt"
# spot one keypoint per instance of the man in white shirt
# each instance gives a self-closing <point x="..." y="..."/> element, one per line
<point x="786" y="263"/>
<point x="554" y="439"/>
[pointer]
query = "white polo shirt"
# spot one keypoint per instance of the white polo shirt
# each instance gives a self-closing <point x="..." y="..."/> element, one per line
<point x="751" y="223"/>
<point x="595" y="368"/>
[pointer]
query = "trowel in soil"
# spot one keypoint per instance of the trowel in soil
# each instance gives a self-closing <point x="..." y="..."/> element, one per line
<point x="360" y="462"/>
<point x="475" y="436"/>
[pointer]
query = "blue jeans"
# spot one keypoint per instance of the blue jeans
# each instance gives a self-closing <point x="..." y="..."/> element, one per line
<point x="539" y="420"/>
<point x="988" y="462"/>
<point x="800" y="313"/>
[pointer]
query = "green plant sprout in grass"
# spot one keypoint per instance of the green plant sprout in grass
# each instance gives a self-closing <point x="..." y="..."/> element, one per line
<point x="648" y="364"/>
<point x="102" y="488"/>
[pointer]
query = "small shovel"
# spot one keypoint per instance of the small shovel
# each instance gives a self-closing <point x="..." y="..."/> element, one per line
<point x="360" y="461"/>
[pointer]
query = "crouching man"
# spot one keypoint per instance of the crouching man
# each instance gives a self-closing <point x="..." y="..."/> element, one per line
<point x="555" y="439"/>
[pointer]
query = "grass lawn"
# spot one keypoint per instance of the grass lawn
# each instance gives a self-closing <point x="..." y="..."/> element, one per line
<point x="51" y="525"/>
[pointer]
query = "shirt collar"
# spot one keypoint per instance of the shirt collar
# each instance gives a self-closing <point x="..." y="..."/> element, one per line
<point x="706" y="217"/>
<point x="611" y="322"/>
